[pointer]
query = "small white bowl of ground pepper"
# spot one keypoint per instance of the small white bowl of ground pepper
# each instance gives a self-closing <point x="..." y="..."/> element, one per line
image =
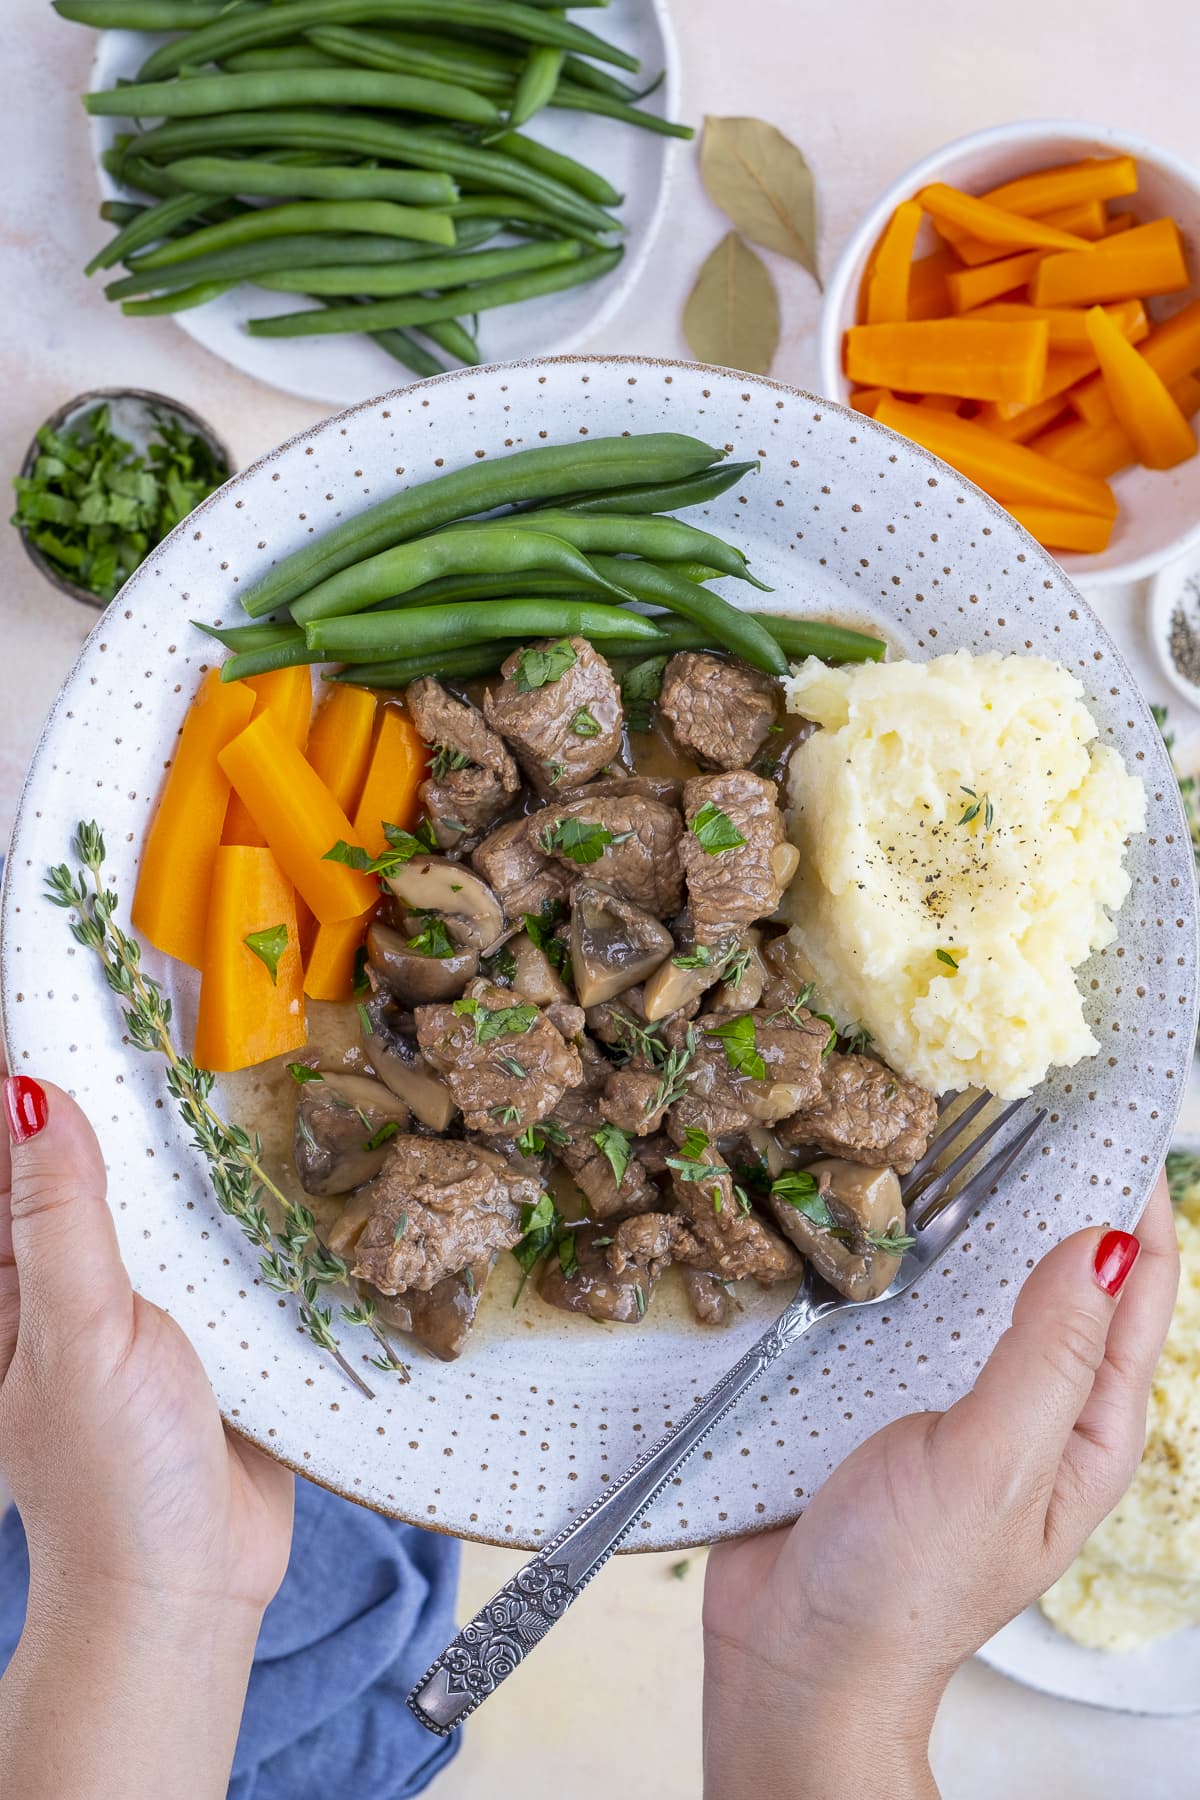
<point x="1173" y="617"/>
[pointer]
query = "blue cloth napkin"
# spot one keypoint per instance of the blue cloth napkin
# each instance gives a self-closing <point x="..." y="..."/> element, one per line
<point x="365" y="1607"/>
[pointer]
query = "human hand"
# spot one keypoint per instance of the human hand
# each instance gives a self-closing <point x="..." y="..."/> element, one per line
<point x="155" y="1537"/>
<point x="829" y="1645"/>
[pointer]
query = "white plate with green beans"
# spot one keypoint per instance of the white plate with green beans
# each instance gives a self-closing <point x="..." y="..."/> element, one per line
<point x="847" y="526"/>
<point x="438" y="194"/>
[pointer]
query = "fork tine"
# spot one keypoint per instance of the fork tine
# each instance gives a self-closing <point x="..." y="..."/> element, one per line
<point x="940" y="1143"/>
<point x="934" y="1189"/>
<point x="950" y="1219"/>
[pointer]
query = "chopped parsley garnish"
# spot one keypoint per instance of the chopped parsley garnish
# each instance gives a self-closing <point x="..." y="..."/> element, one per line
<point x="979" y="802"/>
<point x="856" y="1039"/>
<point x="364" y="1019"/>
<point x="386" y="1131"/>
<point x="554" y="772"/>
<point x="539" y="1226"/>
<point x="360" y="984"/>
<point x="514" y="1067"/>
<point x="534" y="1138"/>
<point x="434" y="940"/>
<point x="799" y="1189"/>
<point x="640" y="688"/>
<point x="567" y="1260"/>
<point x="401" y="1228"/>
<point x="269" y="946"/>
<point x="302" y="1072"/>
<point x="617" y="1146"/>
<point x="402" y="847"/>
<point x="500" y="1021"/>
<point x="540" y="929"/>
<point x="95" y="508"/>
<point x="536" y="668"/>
<point x="581" y="840"/>
<point x="698" y="958"/>
<point x="446" y="758"/>
<point x="584" y="725"/>
<point x="500" y="967"/>
<point x="715" y="831"/>
<point x="738" y="1037"/>
<point x="690" y="1164"/>
<point x="639" y="1299"/>
<point x="944" y="956"/>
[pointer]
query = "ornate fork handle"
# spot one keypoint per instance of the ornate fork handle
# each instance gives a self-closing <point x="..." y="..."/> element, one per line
<point x="519" y="1616"/>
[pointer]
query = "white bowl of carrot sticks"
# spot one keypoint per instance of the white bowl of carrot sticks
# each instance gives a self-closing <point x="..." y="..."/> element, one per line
<point x="1024" y="303"/>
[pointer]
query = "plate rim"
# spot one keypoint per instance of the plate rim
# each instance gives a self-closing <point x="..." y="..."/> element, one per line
<point x="632" y="268"/>
<point x="987" y="1656"/>
<point x="1170" y="1108"/>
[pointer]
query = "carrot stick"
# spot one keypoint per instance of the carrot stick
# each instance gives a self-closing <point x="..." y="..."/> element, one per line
<point x="1140" y="398"/>
<point x="1024" y="423"/>
<point x="1095" y="178"/>
<point x="339" y="744"/>
<point x="1120" y="222"/>
<point x="865" y="400"/>
<point x="1003" y="470"/>
<point x="928" y="297"/>
<point x="1068" y="324"/>
<point x="299" y="818"/>
<point x="1172" y="350"/>
<point x="171" y="898"/>
<point x="1105" y="450"/>
<point x="287" y="694"/>
<point x="887" y="284"/>
<point x="249" y="1012"/>
<point x="971" y="288"/>
<point x="981" y="219"/>
<point x="973" y="359"/>
<point x="1147" y="260"/>
<point x="397" y="768"/>
<point x="1060" y="529"/>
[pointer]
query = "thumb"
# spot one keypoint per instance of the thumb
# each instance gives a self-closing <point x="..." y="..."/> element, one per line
<point x="64" y="1243"/>
<point x="1032" y="1389"/>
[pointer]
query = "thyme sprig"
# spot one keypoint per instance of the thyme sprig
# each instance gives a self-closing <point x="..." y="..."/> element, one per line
<point x="292" y="1259"/>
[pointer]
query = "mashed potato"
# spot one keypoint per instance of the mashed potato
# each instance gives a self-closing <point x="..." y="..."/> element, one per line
<point x="954" y="940"/>
<point x="1138" y="1577"/>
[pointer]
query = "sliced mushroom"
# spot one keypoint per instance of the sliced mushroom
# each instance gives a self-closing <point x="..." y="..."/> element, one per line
<point x="743" y="978"/>
<point x="343" y="1126"/>
<point x="535" y="975"/>
<point x="673" y="985"/>
<point x="412" y="978"/>
<point x="865" y="1204"/>
<point x="433" y="884"/>
<point x="614" y="944"/>
<point x="391" y="1043"/>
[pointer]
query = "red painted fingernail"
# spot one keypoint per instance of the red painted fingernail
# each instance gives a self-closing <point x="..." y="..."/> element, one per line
<point x="1116" y="1254"/>
<point x="26" y="1108"/>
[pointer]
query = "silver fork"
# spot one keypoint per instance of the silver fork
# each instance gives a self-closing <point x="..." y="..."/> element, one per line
<point x="519" y="1616"/>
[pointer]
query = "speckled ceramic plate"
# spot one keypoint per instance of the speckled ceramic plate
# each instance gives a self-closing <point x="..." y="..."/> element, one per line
<point x="342" y="370"/>
<point x="544" y="1408"/>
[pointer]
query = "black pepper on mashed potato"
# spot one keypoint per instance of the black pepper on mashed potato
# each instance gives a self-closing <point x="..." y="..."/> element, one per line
<point x="962" y="839"/>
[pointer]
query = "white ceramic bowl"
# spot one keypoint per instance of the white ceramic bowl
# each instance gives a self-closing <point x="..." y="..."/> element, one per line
<point x="1160" y="510"/>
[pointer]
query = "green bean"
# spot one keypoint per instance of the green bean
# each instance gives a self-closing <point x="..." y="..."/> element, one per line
<point x="533" y="584"/>
<point x="538" y="473"/>
<point x="381" y="218"/>
<point x="661" y="540"/>
<point x="141" y="15"/>
<point x="488" y="72"/>
<point x="368" y="136"/>
<point x="281" y="56"/>
<point x="250" y="260"/>
<point x="406" y="350"/>
<point x="734" y="630"/>
<point x="245" y="30"/>
<point x="454" y="339"/>
<point x="178" y="300"/>
<point x="515" y="212"/>
<point x="264" y="662"/>
<point x="266" y="636"/>
<point x="151" y="224"/>
<point x="483" y="659"/>
<point x="252" y="175"/>
<point x="660" y="497"/>
<point x="120" y="212"/>
<point x="414" y="277"/>
<point x="136" y="172"/>
<point x="292" y="87"/>
<point x="695" y="571"/>
<point x="586" y="74"/>
<point x="385" y="314"/>
<point x="383" y="636"/>
<point x="537" y="83"/>
<point x="795" y="637"/>
<point x="557" y="167"/>
<point x="568" y="98"/>
<point x="492" y="548"/>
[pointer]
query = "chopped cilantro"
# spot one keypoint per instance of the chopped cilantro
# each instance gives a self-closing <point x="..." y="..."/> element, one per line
<point x="581" y="840"/>
<point x="269" y="946"/>
<point x="690" y="1164"/>
<point x="738" y="1037"/>
<point x="536" y="668"/>
<point x="617" y="1146"/>
<point x="500" y="967"/>
<point x="799" y="1189"/>
<point x="568" y="1261"/>
<point x="497" y="1022"/>
<point x="699" y="958"/>
<point x="402" y="847"/>
<point x="584" y="725"/>
<point x="715" y="831"/>
<point x="302" y="1072"/>
<point x="434" y="940"/>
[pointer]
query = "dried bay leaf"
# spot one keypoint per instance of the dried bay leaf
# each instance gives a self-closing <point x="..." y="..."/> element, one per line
<point x="761" y="180"/>
<point x="732" y="313"/>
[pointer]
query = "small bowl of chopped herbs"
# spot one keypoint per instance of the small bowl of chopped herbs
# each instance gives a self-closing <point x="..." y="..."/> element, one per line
<point x="105" y="479"/>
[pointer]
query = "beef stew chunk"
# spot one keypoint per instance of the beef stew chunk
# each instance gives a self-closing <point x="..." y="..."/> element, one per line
<point x="519" y="872"/>
<point x="749" y="1068"/>
<point x="343" y="1126"/>
<point x="729" y="1240"/>
<point x="440" y="1319"/>
<point x="637" y="838"/>
<point x="437" y="1206"/>
<point x="721" y="712"/>
<point x="579" y="1141"/>
<point x="709" y="1298"/>
<point x="735" y="853"/>
<point x="505" y="1062"/>
<point x="592" y="1286"/>
<point x="863" y="1111"/>
<point x="564" y="726"/>
<point x="865" y="1207"/>
<point x="474" y="779"/>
